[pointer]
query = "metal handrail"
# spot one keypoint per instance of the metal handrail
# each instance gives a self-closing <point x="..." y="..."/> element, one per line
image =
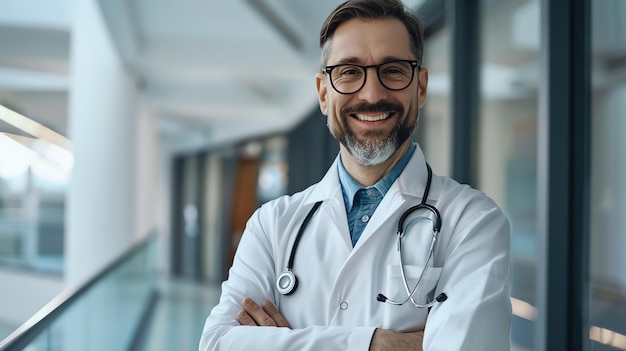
<point x="30" y="329"/>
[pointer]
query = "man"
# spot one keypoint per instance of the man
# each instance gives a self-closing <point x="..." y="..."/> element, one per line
<point x="338" y="236"/>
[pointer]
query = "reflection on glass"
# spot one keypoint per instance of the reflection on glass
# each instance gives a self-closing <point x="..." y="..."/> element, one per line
<point x="434" y="129"/>
<point x="510" y="38"/>
<point x="272" y="181"/>
<point x="607" y="287"/>
<point x="34" y="176"/>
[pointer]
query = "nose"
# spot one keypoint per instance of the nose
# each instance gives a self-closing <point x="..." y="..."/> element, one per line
<point x="373" y="91"/>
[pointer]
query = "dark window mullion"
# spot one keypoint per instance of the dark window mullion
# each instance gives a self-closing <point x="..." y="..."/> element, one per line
<point x="563" y="174"/>
<point x="580" y="161"/>
<point x="462" y="17"/>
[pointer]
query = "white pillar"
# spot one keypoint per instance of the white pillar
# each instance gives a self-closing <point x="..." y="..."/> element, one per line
<point x="147" y="173"/>
<point x="102" y="107"/>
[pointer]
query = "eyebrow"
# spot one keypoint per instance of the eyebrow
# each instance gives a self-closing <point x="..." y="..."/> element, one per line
<point x="356" y="60"/>
<point x="346" y="60"/>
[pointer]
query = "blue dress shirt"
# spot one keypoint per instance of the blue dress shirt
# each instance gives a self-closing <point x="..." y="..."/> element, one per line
<point x="360" y="201"/>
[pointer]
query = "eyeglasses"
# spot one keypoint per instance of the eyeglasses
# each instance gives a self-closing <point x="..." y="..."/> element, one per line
<point x="349" y="78"/>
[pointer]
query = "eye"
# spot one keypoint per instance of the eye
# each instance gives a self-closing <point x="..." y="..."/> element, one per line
<point x="348" y="70"/>
<point x="395" y="70"/>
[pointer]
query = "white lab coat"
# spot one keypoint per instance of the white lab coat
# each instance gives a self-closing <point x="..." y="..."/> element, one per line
<point x="335" y="306"/>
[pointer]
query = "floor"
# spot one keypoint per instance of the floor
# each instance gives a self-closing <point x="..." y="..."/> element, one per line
<point x="179" y="315"/>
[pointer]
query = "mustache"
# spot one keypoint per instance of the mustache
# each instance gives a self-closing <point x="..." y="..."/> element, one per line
<point x="377" y="107"/>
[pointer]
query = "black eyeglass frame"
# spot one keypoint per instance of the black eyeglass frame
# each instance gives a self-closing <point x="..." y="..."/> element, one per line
<point x="414" y="64"/>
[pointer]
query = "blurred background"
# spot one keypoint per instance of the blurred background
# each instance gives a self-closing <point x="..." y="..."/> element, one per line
<point x="138" y="136"/>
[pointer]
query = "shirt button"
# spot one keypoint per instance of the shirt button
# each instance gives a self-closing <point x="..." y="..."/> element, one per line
<point x="365" y="218"/>
<point x="343" y="305"/>
<point x="371" y="192"/>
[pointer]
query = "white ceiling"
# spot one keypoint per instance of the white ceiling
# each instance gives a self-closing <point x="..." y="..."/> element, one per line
<point x="209" y="65"/>
<point x="230" y="68"/>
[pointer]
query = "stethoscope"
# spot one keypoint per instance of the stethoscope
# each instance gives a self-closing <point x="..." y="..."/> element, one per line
<point x="286" y="283"/>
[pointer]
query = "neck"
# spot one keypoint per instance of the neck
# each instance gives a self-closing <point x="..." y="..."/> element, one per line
<point x="369" y="175"/>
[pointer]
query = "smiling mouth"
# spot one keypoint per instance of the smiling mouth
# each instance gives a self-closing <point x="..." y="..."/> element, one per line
<point x="374" y="118"/>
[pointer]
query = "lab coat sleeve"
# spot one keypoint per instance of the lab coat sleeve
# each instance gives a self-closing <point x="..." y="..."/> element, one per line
<point x="252" y="275"/>
<point x="475" y="276"/>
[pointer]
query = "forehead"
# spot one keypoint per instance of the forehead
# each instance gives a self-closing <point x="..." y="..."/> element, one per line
<point x="370" y="41"/>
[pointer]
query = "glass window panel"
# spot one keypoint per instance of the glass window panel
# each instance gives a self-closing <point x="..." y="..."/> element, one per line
<point x="33" y="186"/>
<point x="607" y="286"/>
<point x="507" y="150"/>
<point x="434" y="129"/>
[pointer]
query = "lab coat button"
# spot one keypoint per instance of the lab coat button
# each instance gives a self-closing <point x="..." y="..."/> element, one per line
<point x="343" y="305"/>
<point x="365" y="218"/>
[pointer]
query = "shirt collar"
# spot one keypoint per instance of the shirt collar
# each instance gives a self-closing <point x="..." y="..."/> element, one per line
<point x="349" y="185"/>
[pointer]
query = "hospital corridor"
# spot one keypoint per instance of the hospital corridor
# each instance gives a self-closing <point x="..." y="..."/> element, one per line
<point x="139" y="138"/>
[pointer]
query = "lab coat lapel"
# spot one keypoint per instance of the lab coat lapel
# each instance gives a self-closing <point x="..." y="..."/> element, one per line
<point x="412" y="182"/>
<point x="334" y="210"/>
<point x="334" y="213"/>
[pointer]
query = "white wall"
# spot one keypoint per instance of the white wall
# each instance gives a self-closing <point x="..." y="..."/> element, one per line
<point x="23" y="294"/>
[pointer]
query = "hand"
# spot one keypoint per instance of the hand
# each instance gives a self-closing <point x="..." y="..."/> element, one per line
<point x="253" y="315"/>
<point x="385" y="339"/>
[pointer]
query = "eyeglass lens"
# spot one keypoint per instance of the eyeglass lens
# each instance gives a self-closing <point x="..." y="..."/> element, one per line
<point x="348" y="78"/>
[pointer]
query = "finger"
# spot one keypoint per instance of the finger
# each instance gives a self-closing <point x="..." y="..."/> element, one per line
<point x="260" y="317"/>
<point x="244" y="319"/>
<point x="272" y="311"/>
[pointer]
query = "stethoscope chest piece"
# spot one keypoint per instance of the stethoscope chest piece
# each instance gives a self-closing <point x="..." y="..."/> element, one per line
<point x="286" y="282"/>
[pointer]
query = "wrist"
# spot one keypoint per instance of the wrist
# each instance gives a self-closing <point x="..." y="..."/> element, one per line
<point x="385" y="339"/>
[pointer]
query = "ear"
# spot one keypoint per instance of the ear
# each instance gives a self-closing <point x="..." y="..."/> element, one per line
<point x="320" y="82"/>
<point x="422" y="86"/>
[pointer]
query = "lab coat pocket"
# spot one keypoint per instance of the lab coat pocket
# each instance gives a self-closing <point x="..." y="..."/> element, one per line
<point x="407" y="317"/>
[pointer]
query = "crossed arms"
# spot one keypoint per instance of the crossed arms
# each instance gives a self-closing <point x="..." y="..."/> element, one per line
<point x="268" y="316"/>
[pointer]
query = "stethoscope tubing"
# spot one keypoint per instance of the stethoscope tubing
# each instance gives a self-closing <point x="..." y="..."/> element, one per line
<point x="286" y="282"/>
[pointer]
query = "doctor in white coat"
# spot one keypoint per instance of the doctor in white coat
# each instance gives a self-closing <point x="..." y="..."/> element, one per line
<point x="371" y="88"/>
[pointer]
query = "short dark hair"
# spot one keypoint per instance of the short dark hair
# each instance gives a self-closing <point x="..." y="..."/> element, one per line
<point x="370" y="10"/>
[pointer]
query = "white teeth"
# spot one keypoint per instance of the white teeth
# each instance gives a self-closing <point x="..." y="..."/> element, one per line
<point x="373" y="118"/>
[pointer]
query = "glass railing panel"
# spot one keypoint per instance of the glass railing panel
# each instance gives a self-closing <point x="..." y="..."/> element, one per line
<point x="105" y="316"/>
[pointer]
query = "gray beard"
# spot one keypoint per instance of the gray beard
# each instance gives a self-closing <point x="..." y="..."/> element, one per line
<point x="371" y="152"/>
